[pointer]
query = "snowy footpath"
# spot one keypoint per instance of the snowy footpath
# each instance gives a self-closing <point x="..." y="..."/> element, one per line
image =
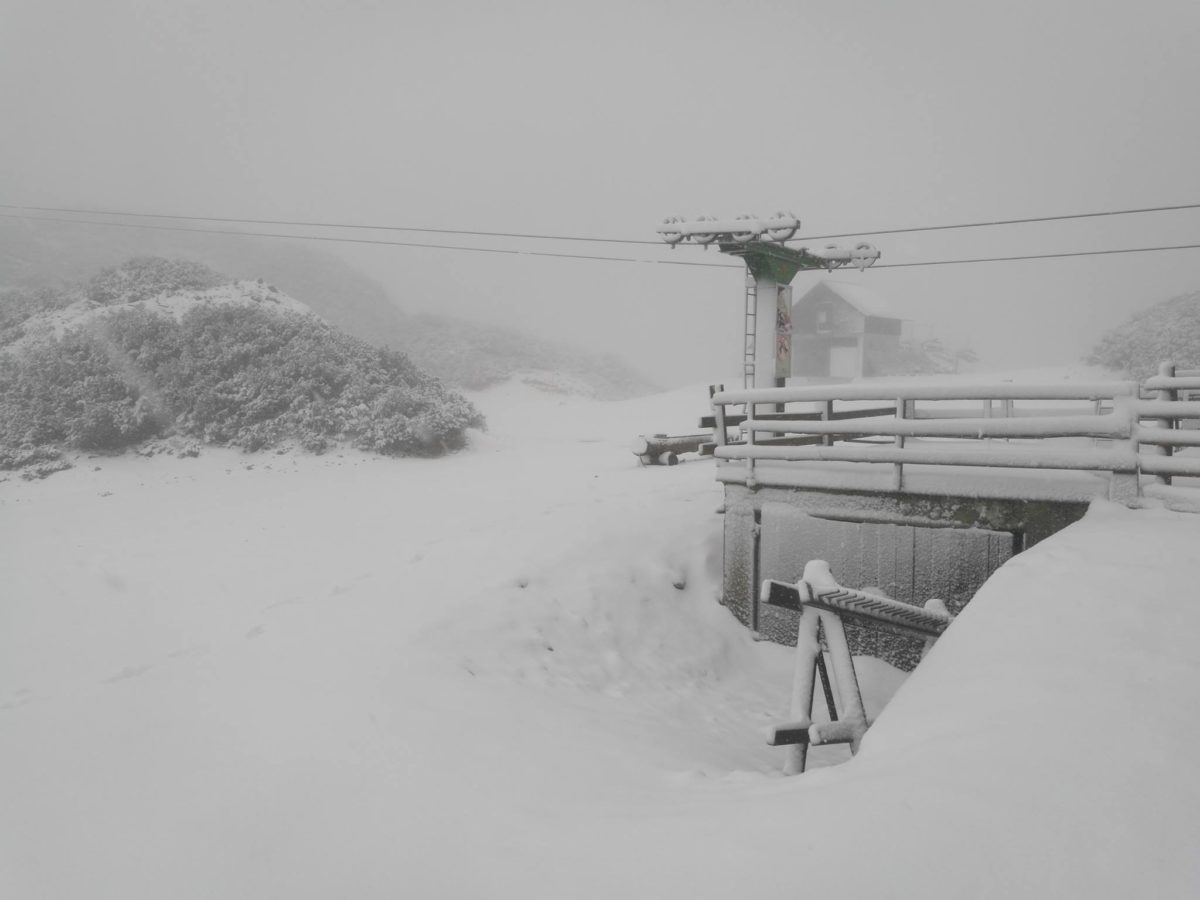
<point x="505" y="674"/>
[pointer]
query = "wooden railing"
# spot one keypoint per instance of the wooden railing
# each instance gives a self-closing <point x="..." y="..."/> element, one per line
<point x="1171" y="423"/>
<point x="1114" y="427"/>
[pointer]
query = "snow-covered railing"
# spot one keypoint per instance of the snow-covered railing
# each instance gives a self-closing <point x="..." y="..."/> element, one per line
<point x="1169" y="425"/>
<point x="1108" y="427"/>
<point x="929" y="425"/>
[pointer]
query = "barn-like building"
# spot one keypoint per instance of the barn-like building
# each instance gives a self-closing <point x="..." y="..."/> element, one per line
<point x="842" y="330"/>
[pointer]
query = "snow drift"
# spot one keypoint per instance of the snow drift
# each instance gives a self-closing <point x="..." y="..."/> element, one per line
<point x="505" y="674"/>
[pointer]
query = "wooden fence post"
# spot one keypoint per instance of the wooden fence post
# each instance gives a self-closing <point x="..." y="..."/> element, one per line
<point x="1166" y="370"/>
<point x="1125" y="485"/>
<point x="901" y="413"/>
<point x="720" y="435"/>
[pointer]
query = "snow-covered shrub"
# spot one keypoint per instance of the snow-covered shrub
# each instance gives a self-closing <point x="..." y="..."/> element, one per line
<point x="1167" y="331"/>
<point x="405" y="423"/>
<point x="247" y="376"/>
<point x="110" y="425"/>
<point x="149" y="276"/>
<point x="255" y="378"/>
<point x="67" y="392"/>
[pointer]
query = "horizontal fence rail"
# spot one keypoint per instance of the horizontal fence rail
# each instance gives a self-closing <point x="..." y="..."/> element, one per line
<point x="1167" y="437"/>
<point x="1083" y="459"/>
<point x="1065" y="426"/>
<point x="1172" y="383"/>
<point x="1099" y="390"/>
<point x="1125" y="429"/>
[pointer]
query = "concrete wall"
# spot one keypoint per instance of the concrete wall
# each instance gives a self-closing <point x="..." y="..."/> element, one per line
<point x="909" y="547"/>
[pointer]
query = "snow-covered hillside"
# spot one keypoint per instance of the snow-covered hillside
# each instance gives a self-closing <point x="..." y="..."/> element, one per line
<point x="173" y="304"/>
<point x="169" y="349"/>
<point x="504" y="673"/>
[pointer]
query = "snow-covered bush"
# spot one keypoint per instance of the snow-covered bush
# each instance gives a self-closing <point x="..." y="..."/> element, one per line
<point x="149" y="276"/>
<point x="1167" y="331"/>
<point x="240" y="375"/>
<point x="70" y="394"/>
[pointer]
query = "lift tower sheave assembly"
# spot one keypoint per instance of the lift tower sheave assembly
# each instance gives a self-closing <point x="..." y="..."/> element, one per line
<point x="770" y="266"/>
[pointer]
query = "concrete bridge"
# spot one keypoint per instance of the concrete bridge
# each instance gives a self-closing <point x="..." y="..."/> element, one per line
<point x="923" y="490"/>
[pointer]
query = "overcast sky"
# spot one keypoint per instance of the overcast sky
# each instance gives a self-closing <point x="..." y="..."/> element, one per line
<point x="601" y="118"/>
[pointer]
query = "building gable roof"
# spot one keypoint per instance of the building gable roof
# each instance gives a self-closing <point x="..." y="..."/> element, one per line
<point x="863" y="299"/>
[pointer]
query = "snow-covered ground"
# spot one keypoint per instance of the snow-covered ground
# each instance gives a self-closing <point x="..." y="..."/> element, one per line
<point x="505" y="674"/>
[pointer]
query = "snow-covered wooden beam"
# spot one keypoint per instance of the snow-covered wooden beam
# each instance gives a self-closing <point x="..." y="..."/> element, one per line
<point x="662" y="449"/>
<point x="978" y="428"/>
<point x="1172" y="383"/>
<point x="738" y="419"/>
<point x="1168" y="409"/>
<point x="858" y="605"/>
<point x="1183" y="466"/>
<point x="1014" y="457"/>
<point x="1170" y="437"/>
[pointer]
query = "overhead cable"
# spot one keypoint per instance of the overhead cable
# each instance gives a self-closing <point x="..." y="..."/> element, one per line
<point x="348" y="240"/>
<point x="547" y="253"/>
<point x="297" y="224"/>
<point x="1025" y="221"/>
<point x="987" y="259"/>
<point x="603" y="240"/>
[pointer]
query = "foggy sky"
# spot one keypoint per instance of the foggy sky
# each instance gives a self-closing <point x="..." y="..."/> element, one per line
<point x="602" y="118"/>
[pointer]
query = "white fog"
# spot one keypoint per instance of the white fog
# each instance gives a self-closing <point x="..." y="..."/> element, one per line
<point x="327" y="568"/>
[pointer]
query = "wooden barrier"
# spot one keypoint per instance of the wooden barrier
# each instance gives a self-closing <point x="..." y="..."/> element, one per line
<point x="823" y="604"/>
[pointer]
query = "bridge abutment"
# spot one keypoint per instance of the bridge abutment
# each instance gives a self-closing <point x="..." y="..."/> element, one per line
<point x="908" y="546"/>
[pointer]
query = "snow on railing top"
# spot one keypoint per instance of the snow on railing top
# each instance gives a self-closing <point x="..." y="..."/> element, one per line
<point x="1109" y="426"/>
<point x="1172" y="383"/>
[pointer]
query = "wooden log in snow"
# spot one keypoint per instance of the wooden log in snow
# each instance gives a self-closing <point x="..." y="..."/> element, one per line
<point x="664" y="449"/>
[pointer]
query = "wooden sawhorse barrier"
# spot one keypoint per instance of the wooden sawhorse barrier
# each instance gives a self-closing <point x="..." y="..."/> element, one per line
<point x="822" y="604"/>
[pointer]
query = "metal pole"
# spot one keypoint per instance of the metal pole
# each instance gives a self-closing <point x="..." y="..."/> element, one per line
<point x="766" y="304"/>
<point x="767" y="290"/>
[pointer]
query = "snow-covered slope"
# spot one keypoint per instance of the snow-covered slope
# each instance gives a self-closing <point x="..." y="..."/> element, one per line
<point x="504" y="674"/>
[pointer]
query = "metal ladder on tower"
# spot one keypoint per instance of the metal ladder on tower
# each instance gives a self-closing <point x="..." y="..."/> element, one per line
<point x="750" y="332"/>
